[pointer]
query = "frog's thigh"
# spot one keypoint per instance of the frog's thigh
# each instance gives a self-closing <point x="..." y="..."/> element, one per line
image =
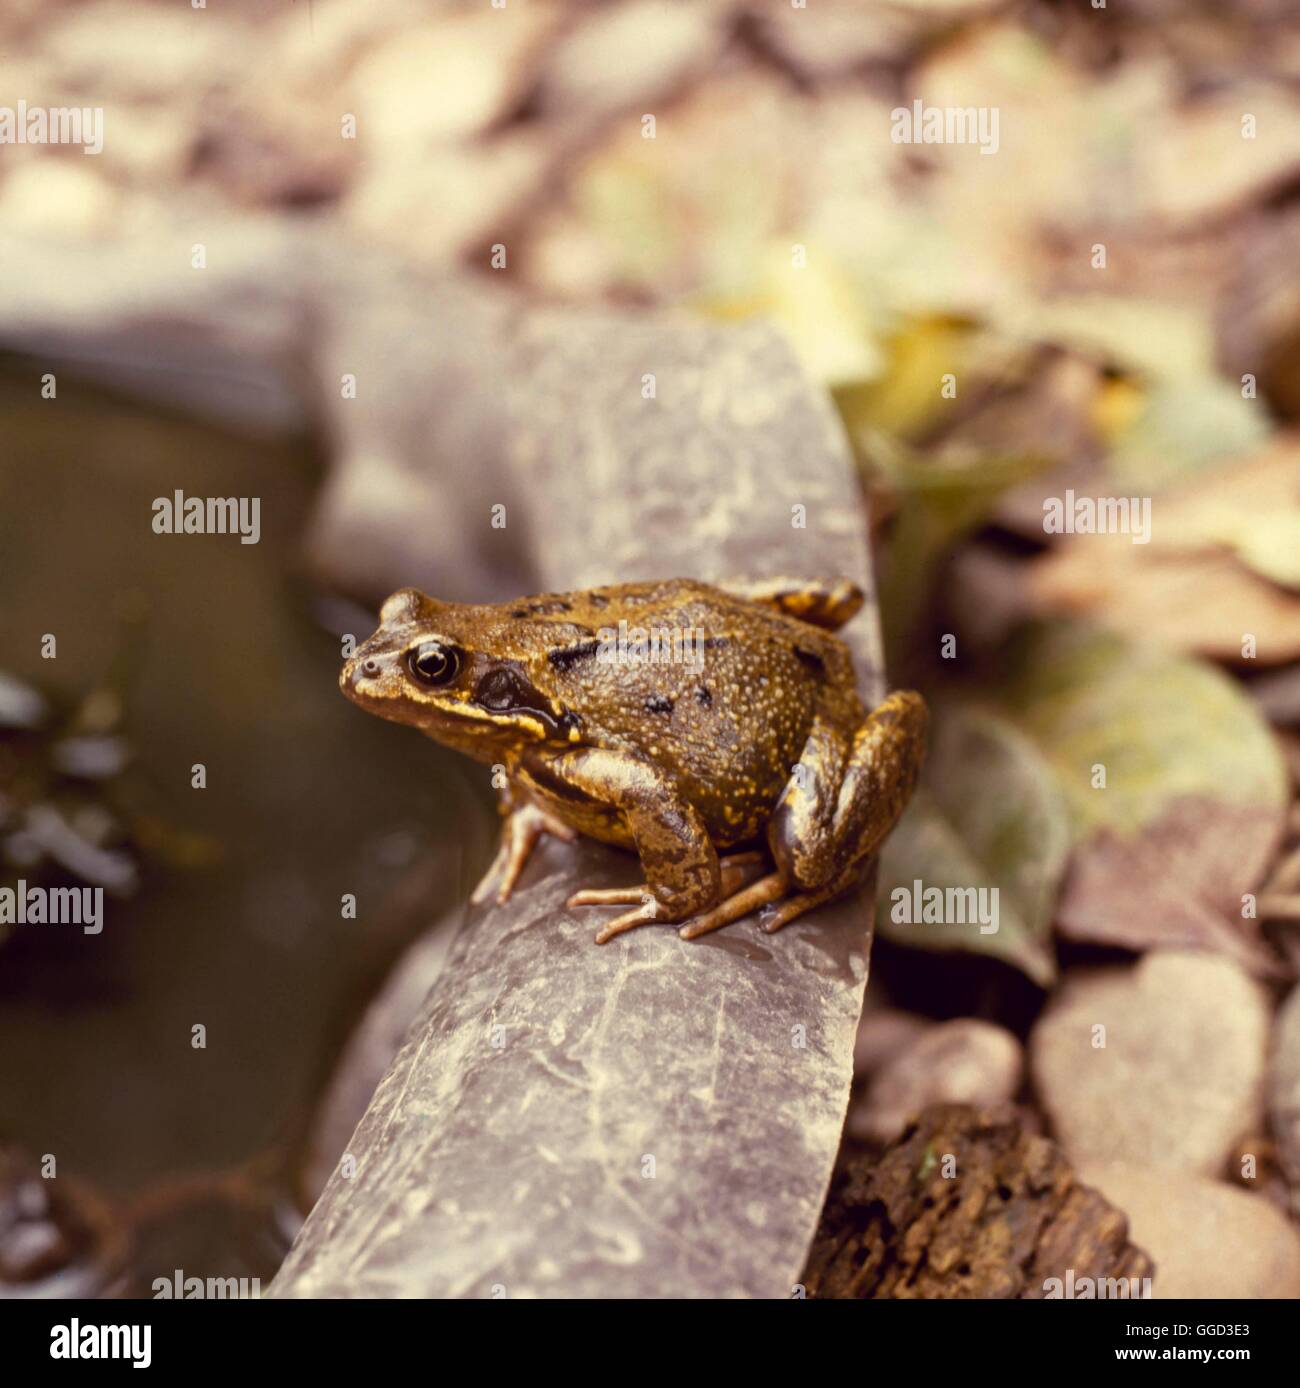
<point x="679" y="861"/>
<point x="878" y="779"/>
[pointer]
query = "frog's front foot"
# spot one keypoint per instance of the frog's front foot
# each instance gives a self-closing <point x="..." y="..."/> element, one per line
<point x="524" y="826"/>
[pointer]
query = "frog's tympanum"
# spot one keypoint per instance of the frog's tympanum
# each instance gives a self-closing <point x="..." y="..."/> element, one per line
<point x="673" y="718"/>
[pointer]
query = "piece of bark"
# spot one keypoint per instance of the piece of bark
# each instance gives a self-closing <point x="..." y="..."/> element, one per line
<point x="967" y="1204"/>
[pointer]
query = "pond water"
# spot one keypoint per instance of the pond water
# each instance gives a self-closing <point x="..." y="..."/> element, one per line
<point x="224" y="655"/>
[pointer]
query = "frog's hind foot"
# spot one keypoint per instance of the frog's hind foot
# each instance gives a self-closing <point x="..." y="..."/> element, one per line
<point x="760" y="893"/>
<point x="770" y="891"/>
<point x="795" y="906"/>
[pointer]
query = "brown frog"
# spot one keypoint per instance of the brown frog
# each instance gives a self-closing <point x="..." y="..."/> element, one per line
<point x="674" y="718"/>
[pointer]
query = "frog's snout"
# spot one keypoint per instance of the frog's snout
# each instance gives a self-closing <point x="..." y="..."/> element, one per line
<point x="372" y="678"/>
<point x="359" y="675"/>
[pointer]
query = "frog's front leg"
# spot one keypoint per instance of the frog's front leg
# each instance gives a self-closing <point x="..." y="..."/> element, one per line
<point x="836" y="810"/>
<point x="682" y="875"/>
<point x="524" y="826"/>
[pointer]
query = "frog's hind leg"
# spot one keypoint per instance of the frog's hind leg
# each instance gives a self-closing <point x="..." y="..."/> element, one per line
<point x="524" y="826"/>
<point x="833" y="815"/>
<point x="822" y="602"/>
<point x="802" y="826"/>
<point x="842" y="808"/>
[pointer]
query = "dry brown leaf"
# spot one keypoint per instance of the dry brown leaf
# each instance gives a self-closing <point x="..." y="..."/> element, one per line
<point x="1192" y="587"/>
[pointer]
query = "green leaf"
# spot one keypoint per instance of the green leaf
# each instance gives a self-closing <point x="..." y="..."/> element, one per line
<point x="1176" y="789"/>
<point x="941" y="500"/>
<point x="987" y="816"/>
<point x="1184" y="428"/>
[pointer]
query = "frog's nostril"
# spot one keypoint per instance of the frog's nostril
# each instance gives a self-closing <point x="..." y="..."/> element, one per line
<point x="370" y="668"/>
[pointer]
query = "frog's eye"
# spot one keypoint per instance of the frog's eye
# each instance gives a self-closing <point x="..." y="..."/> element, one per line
<point x="432" y="663"/>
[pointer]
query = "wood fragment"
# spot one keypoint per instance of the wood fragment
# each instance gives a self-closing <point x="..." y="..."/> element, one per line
<point x="967" y="1204"/>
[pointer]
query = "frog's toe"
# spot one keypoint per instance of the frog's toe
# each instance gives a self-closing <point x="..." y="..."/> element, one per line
<point x="736" y="871"/>
<point x="494" y="878"/>
<point x="609" y="896"/>
<point x="766" y="889"/>
<point x="794" y="907"/>
<point x="645" y="914"/>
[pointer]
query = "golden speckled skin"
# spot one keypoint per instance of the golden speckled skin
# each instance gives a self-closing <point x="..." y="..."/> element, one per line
<point x="676" y="752"/>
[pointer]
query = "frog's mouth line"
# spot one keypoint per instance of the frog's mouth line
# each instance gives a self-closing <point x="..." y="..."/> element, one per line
<point x="531" y="719"/>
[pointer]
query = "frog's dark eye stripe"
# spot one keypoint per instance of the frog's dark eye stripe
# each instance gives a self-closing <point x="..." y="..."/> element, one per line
<point x="432" y="663"/>
<point x="505" y="689"/>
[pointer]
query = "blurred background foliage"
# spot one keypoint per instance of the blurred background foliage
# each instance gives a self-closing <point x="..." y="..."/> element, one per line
<point x="1115" y="294"/>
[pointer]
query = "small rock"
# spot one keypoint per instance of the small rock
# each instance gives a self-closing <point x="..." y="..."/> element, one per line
<point x="21" y="706"/>
<point x="1206" y="1238"/>
<point x="1160" y="1064"/>
<point x="1284" y="1092"/>
<point x="960" y="1062"/>
<point x="92" y="757"/>
<point x="884" y="1033"/>
<point x="58" y="1238"/>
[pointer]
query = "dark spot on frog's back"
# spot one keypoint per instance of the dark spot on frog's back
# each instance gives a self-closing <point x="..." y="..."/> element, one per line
<point x="703" y="696"/>
<point x="548" y="607"/>
<point x="812" y="660"/>
<point x="566" y="657"/>
<point x="658" y="703"/>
